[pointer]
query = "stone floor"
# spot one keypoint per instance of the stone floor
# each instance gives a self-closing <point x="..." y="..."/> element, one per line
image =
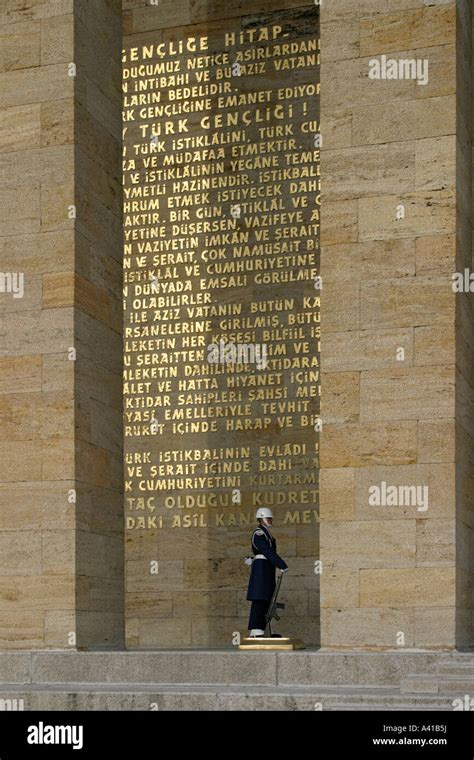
<point x="233" y="680"/>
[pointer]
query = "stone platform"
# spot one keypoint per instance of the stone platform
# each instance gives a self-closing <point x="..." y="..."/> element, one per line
<point x="234" y="680"/>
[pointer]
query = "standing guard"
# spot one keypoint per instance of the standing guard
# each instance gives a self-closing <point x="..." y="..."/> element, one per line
<point x="262" y="576"/>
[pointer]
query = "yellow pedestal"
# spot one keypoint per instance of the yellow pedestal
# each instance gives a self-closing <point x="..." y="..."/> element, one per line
<point x="283" y="644"/>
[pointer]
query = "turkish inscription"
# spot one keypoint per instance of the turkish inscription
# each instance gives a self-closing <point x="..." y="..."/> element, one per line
<point x="221" y="277"/>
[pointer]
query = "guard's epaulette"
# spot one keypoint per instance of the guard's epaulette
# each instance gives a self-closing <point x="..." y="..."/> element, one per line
<point x="259" y="532"/>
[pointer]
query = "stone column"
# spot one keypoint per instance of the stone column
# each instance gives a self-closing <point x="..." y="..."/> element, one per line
<point x="397" y="388"/>
<point x="61" y="566"/>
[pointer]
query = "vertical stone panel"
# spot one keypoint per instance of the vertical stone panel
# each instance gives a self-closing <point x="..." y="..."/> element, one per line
<point x="404" y="315"/>
<point x="60" y="415"/>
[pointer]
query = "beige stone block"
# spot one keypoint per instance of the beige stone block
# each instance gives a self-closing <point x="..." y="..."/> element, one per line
<point x="205" y="603"/>
<point x="156" y="604"/>
<point x="363" y="544"/>
<point x="57" y="40"/>
<point x="339" y="40"/>
<point x="97" y="466"/>
<point x="339" y="588"/>
<point x="24" y="10"/>
<point x="348" y="86"/>
<point x="169" y="14"/>
<point x="408" y="587"/>
<point x="407" y="302"/>
<point x="340" y="306"/>
<point x="340" y="222"/>
<point x="49" y="331"/>
<point x="435" y="255"/>
<point x="60" y="629"/>
<point x="407" y="393"/>
<point x="435" y="627"/>
<point x="436" y="440"/>
<point x="337" y="129"/>
<point x="217" y="632"/>
<point x="435" y="542"/>
<point x="57" y="459"/>
<point x="366" y="628"/>
<point x="372" y="260"/>
<point x="364" y="349"/>
<point x="58" y="551"/>
<point x="97" y="303"/>
<point x="57" y="373"/>
<point x="132" y="638"/>
<point x="341" y="397"/>
<point x="20" y="128"/>
<point x="19" y="210"/>
<point x="57" y="122"/>
<point x="43" y="83"/>
<point x="31" y="416"/>
<point x="173" y="632"/>
<point x="103" y="109"/>
<point x="20" y="629"/>
<point x="39" y="253"/>
<point x="95" y="138"/>
<point x="101" y="511"/>
<point x="427" y="212"/>
<point x="422" y="27"/>
<point x="20" y="169"/>
<point x="58" y="290"/>
<point x="307" y="540"/>
<point x="437" y="478"/>
<point x="20" y="460"/>
<point x="435" y="345"/>
<point x="337" y="494"/>
<point x="435" y="163"/>
<point x="36" y="505"/>
<point x="58" y="164"/>
<point x="19" y="46"/>
<point x="441" y="72"/>
<point x="340" y="9"/>
<point x="20" y="374"/>
<point x="56" y="200"/>
<point x="201" y="10"/>
<point x="216" y="574"/>
<point x="364" y="444"/>
<point x="372" y="172"/>
<point x="393" y="120"/>
<point x="19" y="298"/>
<point x="20" y="553"/>
<point x="38" y="594"/>
<point x="170" y="576"/>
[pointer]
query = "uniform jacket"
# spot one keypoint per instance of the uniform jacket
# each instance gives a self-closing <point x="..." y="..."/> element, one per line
<point x="262" y="575"/>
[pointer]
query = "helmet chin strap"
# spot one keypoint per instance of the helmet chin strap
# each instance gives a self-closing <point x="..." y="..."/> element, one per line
<point x="266" y="523"/>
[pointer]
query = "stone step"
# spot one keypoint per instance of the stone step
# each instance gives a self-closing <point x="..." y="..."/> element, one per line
<point x="215" y="666"/>
<point x="456" y="669"/>
<point x="208" y="697"/>
<point x="438" y="684"/>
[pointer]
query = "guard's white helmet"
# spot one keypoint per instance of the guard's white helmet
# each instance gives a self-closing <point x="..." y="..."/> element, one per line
<point x="263" y="512"/>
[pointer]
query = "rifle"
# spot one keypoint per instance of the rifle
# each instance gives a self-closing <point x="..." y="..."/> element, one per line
<point x="274" y="606"/>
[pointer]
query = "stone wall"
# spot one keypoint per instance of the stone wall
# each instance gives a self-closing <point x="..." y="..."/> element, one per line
<point x="61" y="562"/>
<point x="393" y="576"/>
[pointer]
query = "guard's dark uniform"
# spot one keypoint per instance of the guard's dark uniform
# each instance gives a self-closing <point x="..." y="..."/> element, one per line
<point x="262" y="576"/>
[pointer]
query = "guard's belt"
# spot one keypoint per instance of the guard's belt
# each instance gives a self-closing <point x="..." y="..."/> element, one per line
<point x="259" y="556"/>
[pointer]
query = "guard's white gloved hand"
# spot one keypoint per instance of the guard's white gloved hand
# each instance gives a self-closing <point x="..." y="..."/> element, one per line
<point x="248" y="560"/>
